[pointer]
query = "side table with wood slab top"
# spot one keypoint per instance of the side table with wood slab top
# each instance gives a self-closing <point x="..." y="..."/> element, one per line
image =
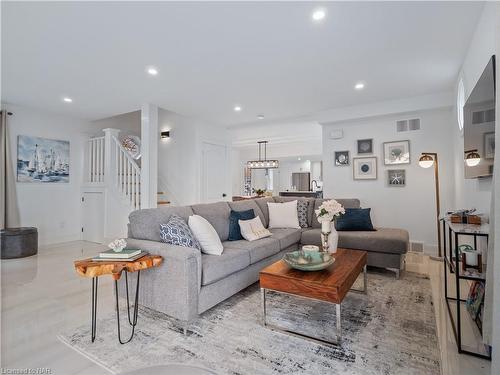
<point x="94" y="269"/>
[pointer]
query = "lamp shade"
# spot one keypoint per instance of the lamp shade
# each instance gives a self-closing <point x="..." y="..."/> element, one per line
<point x="426" y="161"/>
<point x="472" y="158"/>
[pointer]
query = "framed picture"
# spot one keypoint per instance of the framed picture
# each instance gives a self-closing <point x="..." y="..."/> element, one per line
<point x="341" y="158"/>
<point x="365" y="146"/>
<point x="396" y="177"/>
<point x="489" y="145"/>
<point x="365" y="168"/>
<point x="397" y="152"/>
<point x="42" y="160"/>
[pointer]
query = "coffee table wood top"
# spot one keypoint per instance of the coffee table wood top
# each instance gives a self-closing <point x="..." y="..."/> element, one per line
<point x="331" y="284"/>
<point x="90" y="268"/>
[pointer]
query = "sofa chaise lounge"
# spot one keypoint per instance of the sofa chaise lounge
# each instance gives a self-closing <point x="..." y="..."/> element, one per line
<point x="190" y="282"/>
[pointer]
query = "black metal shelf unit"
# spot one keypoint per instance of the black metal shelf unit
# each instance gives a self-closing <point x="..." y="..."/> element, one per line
<point x="452" y="264"/>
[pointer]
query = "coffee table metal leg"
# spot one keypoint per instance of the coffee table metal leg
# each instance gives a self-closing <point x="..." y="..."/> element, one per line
<point x="263" y="299"/>
<point x="132" y="322"/>
<point x="94" y="309"/>
<point x="365" y="283"/>
<point x="338" y="326"/>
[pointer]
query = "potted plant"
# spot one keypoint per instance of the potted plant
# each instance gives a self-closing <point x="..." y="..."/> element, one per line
<point x="327" y="213"/>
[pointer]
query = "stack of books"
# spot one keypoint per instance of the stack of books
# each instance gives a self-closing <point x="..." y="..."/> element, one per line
<point x="126" y="255"/>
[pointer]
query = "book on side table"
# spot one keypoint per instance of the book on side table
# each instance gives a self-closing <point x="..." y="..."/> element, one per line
<point x="126" y="255"/>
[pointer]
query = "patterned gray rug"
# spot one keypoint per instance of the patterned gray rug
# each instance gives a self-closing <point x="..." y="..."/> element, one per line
<point x="391" y="330"/>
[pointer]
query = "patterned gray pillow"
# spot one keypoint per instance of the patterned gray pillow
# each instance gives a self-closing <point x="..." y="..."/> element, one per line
<point x="177" y="232"/>
<point x="302" y="206"/>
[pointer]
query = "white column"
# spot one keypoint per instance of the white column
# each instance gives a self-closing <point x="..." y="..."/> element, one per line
<point x="110" y="164"/>
<point x="149" y="152"/>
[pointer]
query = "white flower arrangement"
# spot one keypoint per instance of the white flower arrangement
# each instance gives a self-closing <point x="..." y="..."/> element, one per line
<point x="118" y="245"/>
<point x="329" y="210"/>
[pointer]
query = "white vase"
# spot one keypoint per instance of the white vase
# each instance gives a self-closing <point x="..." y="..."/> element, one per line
<point x="333" y="237"/>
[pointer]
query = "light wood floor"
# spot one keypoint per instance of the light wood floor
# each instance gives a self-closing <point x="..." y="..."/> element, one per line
<point x="42" y="296"/>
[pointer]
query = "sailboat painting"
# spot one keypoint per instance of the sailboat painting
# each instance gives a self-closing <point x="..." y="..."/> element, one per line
<point x="42" y="160"/>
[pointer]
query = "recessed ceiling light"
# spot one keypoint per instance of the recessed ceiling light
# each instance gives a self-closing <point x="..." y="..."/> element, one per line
<point x="318" y="14"/>
<point x="152" y="70"/>
<point x="237" y="108"/>
<point x="359" y="86"/>
<point x="260" y="117"/>
<point x="67" y="100"/>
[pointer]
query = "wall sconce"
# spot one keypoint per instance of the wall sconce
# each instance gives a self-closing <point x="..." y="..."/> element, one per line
<point x="472" y="158"/>
<point x="165" y="135"/>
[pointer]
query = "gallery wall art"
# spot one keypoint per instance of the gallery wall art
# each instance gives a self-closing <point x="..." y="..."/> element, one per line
<point x="341" y="158"/>
<point x="365" y="146"/>
<point x="365" y="168"/>
<point x="396" y="177"/>
<point x="397" y="152"/>
<point x="42" y="160"/>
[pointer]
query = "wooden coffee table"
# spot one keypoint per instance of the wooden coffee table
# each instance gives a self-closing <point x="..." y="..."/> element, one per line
<point x="330" y="285"/>
<point x="94" y="269"/>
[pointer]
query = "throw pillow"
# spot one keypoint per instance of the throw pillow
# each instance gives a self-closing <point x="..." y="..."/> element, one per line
<point x="355" y="219"/>
<point x="253" y="229"/>
<point x="234" y="227"/>
<point x="302" y="207"/>
<point x="177" y="232"/>
<point x="283" y="215"/>
<point x="206" y="235"/>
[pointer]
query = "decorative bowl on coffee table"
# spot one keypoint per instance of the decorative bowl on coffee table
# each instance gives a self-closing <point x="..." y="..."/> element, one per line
<point x="308" y="260"/>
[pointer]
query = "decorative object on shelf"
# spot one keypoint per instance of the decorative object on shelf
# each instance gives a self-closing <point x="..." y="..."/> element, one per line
<point x="365" y="168"/>
<point x="396" y="177"/>
<point x="132" y="144"/>
<point x="365" y="146"/>
<point x="262" y="163"/>
<point x="475" y="301"/>
<point x="427" y="160"/>
<point x="259" y="192"/>
<point x="397" y="152"/>
<point x="42" y="160"/>
<point x="489" y="145"/>
<point x="465" y="217"/>
<point x="308" y="260"/>
<point x="327" y="213"/>
<point x="341" y="158"/>
<point x="470" y="258"/>
<point x="117" y="245"/>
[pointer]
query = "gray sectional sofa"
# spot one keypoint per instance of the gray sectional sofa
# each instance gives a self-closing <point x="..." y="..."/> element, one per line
<point x="189" y="282"/>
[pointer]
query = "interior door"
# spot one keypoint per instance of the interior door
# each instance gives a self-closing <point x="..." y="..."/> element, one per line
<point x="214" y="173"/>
<point x="93" y="216"/>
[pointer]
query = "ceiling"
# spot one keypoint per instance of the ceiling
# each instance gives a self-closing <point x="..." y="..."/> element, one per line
<point x="269" y="58"/>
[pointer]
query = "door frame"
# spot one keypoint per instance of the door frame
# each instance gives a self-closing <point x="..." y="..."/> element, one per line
<point x="202" y="194"/>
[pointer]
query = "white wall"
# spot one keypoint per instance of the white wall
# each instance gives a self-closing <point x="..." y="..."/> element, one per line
<point x="179" y="157"/>
<point x="54" y="208"/>
<point x="411" y="207"/>
<point x="474" y="192"/>
<point x="128" y="123"/>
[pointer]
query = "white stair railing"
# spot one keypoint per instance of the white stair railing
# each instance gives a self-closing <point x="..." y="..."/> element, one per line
<point x="128" y="175"/>
<point x="95" y="159"/>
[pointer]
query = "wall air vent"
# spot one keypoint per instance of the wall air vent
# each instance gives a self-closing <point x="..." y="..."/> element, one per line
<point x="408" y="125"/>
<point x="402" y="126"/>
<point x="482" y="117"/>
<point x="417" y="247"/>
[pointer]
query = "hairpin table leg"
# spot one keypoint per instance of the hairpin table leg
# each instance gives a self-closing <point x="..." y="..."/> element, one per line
<point x="133" y="321"/>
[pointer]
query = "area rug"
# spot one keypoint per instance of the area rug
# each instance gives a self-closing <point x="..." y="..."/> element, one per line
<point x="391" y="330"/>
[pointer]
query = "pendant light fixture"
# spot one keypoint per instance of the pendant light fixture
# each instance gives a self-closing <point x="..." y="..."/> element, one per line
<point x="262" y="163"/>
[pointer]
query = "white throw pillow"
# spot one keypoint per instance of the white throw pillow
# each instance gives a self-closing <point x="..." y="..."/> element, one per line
<point x="253" y="229"/>
<point x="206" y="235"/>
<point x="283" y="215"/>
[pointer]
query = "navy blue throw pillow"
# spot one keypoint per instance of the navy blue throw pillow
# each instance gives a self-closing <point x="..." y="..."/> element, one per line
<point x="234" y="226"/>
<point x="355" y="219"/>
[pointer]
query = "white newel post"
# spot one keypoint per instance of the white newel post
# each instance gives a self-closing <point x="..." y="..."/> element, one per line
<point x="149" y="158"/>
<point x="110" y="155"/>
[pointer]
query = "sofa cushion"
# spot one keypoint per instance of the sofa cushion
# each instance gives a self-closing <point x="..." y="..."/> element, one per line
<point x="262" y="203"/>
<point x="346" y="203"/>
<point x="145" y="224"/>
<point x="234" y="226"/>
<point x="177" y="232"/>
<point x="310" y="205"/>
<point x="383" y="240"/>
<point x="286" y="236"/>
<point x="216" y="267"/>
<point x="249" y="204"/>
<point x="355" y="219"/>
<point x="217" y="214"/>
<point x="258" y="249"/>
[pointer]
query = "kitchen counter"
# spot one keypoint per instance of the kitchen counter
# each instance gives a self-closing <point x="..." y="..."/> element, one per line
<point x="306" y="194"/>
